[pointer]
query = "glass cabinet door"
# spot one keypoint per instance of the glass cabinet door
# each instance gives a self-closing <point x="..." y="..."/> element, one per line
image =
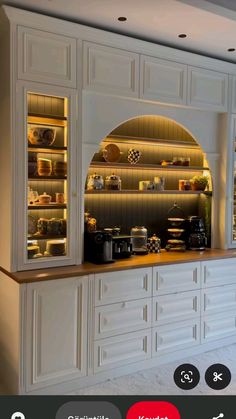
<point x="49" y="211"/>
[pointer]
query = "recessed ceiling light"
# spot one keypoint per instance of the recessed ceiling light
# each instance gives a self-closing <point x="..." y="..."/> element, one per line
<point x="182" y="35"/>
<point x="231" y="49"/>
<point x="122" y="18"/>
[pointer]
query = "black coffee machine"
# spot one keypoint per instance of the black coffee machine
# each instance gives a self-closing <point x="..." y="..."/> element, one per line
<point x="195" y="229"/>
<point x="98" y="247"/>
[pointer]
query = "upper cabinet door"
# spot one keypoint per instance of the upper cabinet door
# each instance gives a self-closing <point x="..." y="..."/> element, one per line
<point x="233" y="94"/>
<point x="207" y="89"/>
<point x="110" y="70"/>
<point x="162" y="80"/>
<point x="46" y="57"/>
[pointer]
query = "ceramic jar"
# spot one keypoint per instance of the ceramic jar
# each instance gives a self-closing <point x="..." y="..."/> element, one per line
<point x="154" y="244"/>
<point x="113" y="182"/>
<point x="45" y="199"/>
<point x="95" y="181"/>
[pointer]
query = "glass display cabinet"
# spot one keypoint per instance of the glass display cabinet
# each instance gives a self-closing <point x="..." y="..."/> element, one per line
<point x="49" y="208"/>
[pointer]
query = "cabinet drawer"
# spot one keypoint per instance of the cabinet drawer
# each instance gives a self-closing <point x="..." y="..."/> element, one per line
<point x="110" y="70"/>
<point x="46" y="57"/>
<point x="219" y="272"/>
<point x="208" y="89"/>
<point x="121" y="350"/>
<point x="216" y="300"/>
<point x="218" y="326"/>
<point x="123" y="317"/>
<point x="176" y="307"/>
<point x="162" y="80"/>
<point x="176" y="278"/>
<point x="176" y="336"/>
<point x="123" y="286"/>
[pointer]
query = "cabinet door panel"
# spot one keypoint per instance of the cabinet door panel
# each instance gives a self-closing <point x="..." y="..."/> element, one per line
<point x="175" y="336"/>
<point x="46" y="57"/>
<point x="163" y="80"/>
<point x="122" y="286"/>
<point x="116" y="319"/>
<point x="56" y="332"/>
<point x="207" y="89"/>
<point x="110" y="70"/>
<point x="122" y="350"/>
<point x="176" y="307"/>
<point x="218" y="326"/>
<point x="219" y="272"/>
<point x="176" y="278"/>
<point x="215" y="300"/>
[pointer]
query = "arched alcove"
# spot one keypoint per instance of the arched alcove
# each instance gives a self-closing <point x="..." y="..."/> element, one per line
<point x="159" y="139"/>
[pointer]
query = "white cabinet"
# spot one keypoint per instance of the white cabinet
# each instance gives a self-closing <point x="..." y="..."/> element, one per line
<point x="219" y="272"/>
<point x="123" y="286"/>
<point x="176" y="278"/>
<point x="217" y="299"/>
<point x="56" y="337"/>
<point x="207" y="89"/>
<point x="110" y="70"/>
<point x="218" y="326"/>
<point x="233" y="106"/>
<point x="46" y="57"/>
<point x="176" y="307"/>
<point x="122" y="317"/>
<point x="175" y="336"/>
<point x="162" y="80"/>
<point x="122" y="350"/>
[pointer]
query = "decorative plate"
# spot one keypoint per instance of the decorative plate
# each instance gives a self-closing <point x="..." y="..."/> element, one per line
<point x="32" y="224"/>
<point x="111" y="153"/>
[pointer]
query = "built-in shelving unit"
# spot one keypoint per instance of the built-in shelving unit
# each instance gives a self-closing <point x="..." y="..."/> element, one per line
<point x="47" y="113"/>
<point x="151" y="192"/>
<point x="147" y="167"/>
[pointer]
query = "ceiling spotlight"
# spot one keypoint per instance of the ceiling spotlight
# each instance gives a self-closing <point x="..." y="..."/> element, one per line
<point x="122" y="18"/>
<point x="231" y="49"/>
<point x="182" y="35"/>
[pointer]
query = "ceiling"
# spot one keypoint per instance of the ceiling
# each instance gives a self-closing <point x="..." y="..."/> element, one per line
<point x="210" y="26"/>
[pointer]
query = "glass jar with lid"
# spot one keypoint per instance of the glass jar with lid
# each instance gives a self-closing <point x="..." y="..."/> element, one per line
<point x="139" y="240"/>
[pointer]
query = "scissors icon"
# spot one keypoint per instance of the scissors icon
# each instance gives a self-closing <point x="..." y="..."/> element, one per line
<point x="217" y="377"/>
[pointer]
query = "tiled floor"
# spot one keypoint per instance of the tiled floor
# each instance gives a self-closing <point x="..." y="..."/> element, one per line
<point x="159" y="380"/>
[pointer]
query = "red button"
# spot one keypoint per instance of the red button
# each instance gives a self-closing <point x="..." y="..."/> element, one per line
<point x="153" y="410"/>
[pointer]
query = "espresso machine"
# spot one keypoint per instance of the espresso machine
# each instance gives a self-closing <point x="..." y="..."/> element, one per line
<point x="98" y="247"/>
<point x="196" y="237"/>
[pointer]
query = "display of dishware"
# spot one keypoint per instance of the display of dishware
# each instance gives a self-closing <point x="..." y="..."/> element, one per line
<point x="113" y="182"/>
<point x="159" y="183"/>
<point x="44" y="167"/>
<point x="63" y="226"/>
<point x="42" y="226"/>
<point x="111" y="153"/>
<point x="175" y="232"/>
<point x="32" y="164"/>
<point x="184" y="185"/>
<point x="33" y="196"/>
<point x="139" y="240"/>
<point x="55" y="248"/>
<point x="154" y="244"/>
<point x="166" y="162"/>
<point x="115" y="231"/>
<point x="32" y="225"/>
<point x="60" y="197"/>
<point x="146" y="185"/>
<point x="44" y="199"/>
<point x="134" y="156"/>
<point x="32" y="250"/>
<point x="186" y="161"/>
<point x="54" y="227"/>
<point x="94" y="182"/>
<point x="181" y="185"/>
<point x="176" y="245"/>
<point x="41" y="136"/>
<point x="60" y="168"/>
<point x="175" y="221"/>
<point x="177" y="161"/>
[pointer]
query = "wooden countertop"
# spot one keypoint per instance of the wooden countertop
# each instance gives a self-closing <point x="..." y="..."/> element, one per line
<point x="152" y="259"/>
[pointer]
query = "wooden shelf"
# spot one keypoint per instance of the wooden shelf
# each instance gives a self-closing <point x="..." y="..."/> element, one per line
<point x="151" y="141"/>
<point x="45" y="237"/>
<point x="49" y="206"/>
<point x="151" y="192"/>
<point x="49" y="120"/>
<point x="52" y="177"/>
<point x="46" y="149"/>
<point x="147" y="167"/>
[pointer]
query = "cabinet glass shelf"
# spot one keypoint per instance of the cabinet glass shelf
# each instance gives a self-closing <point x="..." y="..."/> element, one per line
<point x="49" y="178"/>
<point x="45" y="237"/>
<point x="47" y="149"/>
<point x="49" y="206"/>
